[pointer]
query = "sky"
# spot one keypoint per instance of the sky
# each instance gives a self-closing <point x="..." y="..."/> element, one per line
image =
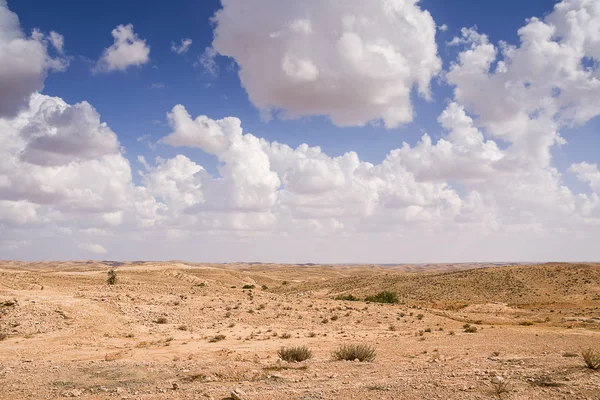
<point x="388" y="131"/>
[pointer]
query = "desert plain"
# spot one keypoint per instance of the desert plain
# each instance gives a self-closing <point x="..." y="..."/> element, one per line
<point x="177" y="330"/>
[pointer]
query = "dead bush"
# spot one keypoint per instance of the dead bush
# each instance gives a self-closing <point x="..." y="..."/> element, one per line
<point x="351" y="352"/>
<point x="591" y="358"/>
<point x="294" y="354"/>
<point x="217" y="338"/>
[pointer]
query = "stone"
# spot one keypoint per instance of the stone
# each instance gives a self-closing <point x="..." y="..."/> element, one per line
<point x="238" y="394"/>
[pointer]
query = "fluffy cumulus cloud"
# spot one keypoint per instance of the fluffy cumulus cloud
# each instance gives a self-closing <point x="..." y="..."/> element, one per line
<point x="342" y="59"/>
<point x="301" y="187"/>
<point x="128" y="50"/>
<point x="539" y="86"/>
<point x="62" y="170"/>
<point x="523" y="95"/>
<point x="24" y="62"/>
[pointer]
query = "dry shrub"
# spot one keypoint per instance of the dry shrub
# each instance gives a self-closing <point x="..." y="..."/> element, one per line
<point x="591" y="358"/>
<point x="351" y="352"/>
<point x="500" y="387"/>
<point x="217" y="338"/>
<point x="294" y="354"/>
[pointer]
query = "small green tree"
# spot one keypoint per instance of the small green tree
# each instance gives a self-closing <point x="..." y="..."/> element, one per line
<point x="112" y="277"/>
<point x="384" y="297"/>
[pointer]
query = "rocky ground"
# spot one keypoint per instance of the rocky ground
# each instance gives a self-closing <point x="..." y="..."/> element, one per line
<point x="191" y="331"/>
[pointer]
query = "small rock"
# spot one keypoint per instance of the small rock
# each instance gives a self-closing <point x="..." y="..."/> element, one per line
<point x="237" y="394"/>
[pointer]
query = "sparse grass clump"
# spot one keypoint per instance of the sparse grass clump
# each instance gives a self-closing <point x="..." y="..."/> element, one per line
<point x="286" y="335"/>
<point x="346" y="297"/>
<point x="526" y="323"/>
<point x="351" y="352"/>
<point x="469" y="328"/>
<point x="161" y="320"/>
<point x="384" y="297"/>
<point x="112" y="277"/>
<point x="294" y="354"/>
<point x="500" y="387"/>
<point x="591" y="358"/>
<point x="217" y="338"/>
<point x="3" y="336"/>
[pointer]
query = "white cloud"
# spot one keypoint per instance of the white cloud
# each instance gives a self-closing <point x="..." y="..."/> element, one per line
<point x="93" y="248"/>
<point x="182" y="48"/>
<point x="535" y="88"/>
<point x="62" y="156"/>
<point x="587" y="173"/>
<point x="25" y="62"/>
<point x="113" y="218"/>
<point x="127" y="51"/>
<point x="338" y="59"/>
<point x="58" y="134"/>
<point x="18" y="212"/>
<point x="208" y="61"/>
<point x="57" y="40"/>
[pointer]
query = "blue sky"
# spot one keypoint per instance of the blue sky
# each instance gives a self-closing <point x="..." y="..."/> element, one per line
<point x="418" y="183"/>
<point x="130" y="106"/>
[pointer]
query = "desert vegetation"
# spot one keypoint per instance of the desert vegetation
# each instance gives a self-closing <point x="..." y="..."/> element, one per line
<point x="294" y="354"/>
<point x="351" y="352"/>
<point x="176" y="330"/>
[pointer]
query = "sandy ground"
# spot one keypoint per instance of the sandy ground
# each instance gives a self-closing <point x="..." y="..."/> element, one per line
<point x="67" y="333"/>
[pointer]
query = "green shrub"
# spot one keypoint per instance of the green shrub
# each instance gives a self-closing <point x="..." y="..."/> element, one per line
<point x="346" y="297"/>
<point x="248" y="287"/>
<point x="294" y="354"/>
<point x="112" y="277"/>
<point x="384" y="297"/>
<point x="351" y="352"/>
